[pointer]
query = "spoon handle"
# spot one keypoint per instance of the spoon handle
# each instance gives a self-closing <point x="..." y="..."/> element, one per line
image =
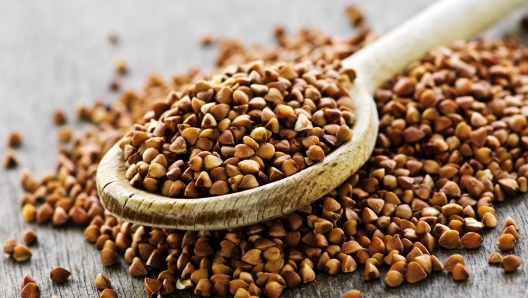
<point x="440" y="24"/>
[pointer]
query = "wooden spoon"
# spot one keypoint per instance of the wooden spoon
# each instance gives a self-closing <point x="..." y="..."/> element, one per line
<point x="440" y="24"/>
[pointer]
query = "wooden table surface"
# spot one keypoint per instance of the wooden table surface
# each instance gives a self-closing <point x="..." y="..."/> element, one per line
<point x="54" y="54"/>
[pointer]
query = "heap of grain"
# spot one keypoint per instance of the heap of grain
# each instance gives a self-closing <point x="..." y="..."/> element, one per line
<point x="248" y="126"/>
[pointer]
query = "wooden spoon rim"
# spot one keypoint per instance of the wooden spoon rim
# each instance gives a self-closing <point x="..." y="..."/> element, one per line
<point x="138" y="206"/>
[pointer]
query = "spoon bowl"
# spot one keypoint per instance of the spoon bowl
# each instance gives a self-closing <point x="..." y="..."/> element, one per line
<point x="440" y="24"/>
<point x="245" y="207"/>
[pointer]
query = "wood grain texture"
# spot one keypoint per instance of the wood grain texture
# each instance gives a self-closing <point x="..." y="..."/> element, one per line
<point x="53" y="54"/>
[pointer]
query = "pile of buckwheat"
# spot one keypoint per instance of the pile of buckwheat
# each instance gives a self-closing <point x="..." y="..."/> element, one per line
<point x="452" y="142"/>
<point x="249" y="125"/>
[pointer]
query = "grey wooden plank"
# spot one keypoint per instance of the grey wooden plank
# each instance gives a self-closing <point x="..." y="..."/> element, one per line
<point x="54" y="54"/>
